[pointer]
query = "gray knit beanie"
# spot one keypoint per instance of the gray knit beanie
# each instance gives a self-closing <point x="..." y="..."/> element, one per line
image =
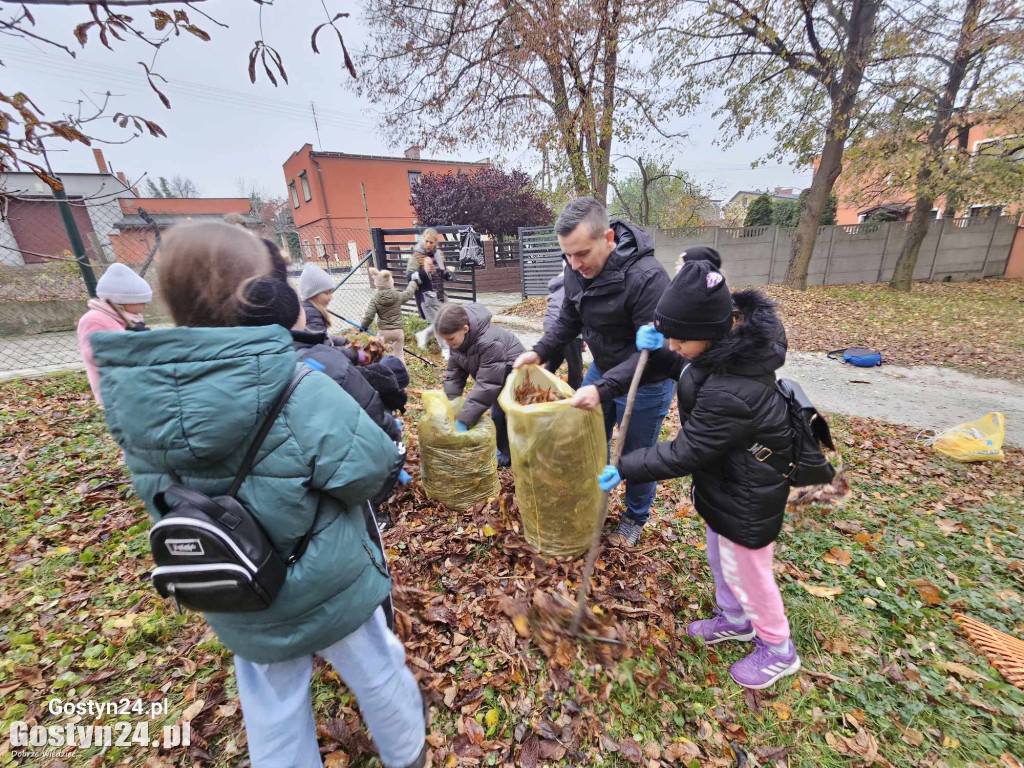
<point x="314" y="280"/>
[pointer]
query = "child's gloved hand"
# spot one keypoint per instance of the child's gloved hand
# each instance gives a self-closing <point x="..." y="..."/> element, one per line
<point x="404" y="478"/>
<point x="460" y="427"/>
<point x="609" y="478"/>
<point x="362" y="358"/>
<point x="416" y="278"/>
<point x="649" y="338"/>
<point x="398" y="423"/>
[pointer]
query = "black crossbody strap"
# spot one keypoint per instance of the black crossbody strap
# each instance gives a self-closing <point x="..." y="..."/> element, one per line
<point x="762" y="453"/>
<point x="254" y="448"/>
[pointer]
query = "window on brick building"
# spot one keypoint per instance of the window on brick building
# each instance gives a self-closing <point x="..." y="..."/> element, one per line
<point x="414" y="178"/>
<point x="306" y="253"/>
<point x="295" y="194"/>
<point x="304" y="180"/>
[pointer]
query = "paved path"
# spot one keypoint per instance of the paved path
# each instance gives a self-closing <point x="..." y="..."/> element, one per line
<point x="922" y="397"/>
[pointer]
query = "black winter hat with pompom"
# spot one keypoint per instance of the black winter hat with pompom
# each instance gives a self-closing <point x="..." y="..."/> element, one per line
<point x="697" y="305"/>
<point x="270" y="301"/>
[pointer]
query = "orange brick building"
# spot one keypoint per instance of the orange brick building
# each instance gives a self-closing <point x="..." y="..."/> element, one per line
<point x="332" y="194"/>
<point x="900" y="202"/>
<point x="136" y="237"/>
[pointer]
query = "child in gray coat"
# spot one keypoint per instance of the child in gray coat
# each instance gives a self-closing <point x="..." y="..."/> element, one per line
<point x="486" y="353"/>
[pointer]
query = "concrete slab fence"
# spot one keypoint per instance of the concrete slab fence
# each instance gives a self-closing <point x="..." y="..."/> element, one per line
<point x="954" y="249"/>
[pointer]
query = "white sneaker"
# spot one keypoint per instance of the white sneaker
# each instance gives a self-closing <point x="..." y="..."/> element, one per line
<point x="421" y="339"/>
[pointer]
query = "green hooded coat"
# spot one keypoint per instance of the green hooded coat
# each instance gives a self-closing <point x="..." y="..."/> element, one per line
<point x="190" y="400"/>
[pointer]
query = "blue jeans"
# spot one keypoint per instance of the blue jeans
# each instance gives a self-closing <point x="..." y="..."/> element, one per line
<point x="649" y="411"/>
<point x="278" y="710"/>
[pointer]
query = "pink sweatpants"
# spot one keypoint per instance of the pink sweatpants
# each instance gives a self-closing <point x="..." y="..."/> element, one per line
<point x="745" y="585"/>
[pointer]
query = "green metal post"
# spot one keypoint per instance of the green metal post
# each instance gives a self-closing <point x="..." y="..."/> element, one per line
<point x="75" y="239"/>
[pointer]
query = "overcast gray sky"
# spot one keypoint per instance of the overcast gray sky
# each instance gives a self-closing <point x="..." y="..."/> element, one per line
<point x="222" y="128"/>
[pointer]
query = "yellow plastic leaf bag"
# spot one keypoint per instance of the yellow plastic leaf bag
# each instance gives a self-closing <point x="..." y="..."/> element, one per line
<point x="980" y="440"/>
<point x="458" y="469"/>
<point x="557" y="453"/>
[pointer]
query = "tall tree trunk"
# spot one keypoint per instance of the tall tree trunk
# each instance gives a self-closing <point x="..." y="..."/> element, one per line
<point x="938" y="136"/>
<point x="843" y="100"/>
<point x="610" y="65"/>
<point x="903" y="275"/>
<point x="806" y="234"/>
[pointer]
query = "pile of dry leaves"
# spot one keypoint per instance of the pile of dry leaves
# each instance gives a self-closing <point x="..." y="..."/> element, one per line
<point x="529" y="393"/>
<point x="978" y="326"/>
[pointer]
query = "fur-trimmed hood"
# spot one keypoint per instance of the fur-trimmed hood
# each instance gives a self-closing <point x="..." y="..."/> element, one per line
<point x="757" y="344"/>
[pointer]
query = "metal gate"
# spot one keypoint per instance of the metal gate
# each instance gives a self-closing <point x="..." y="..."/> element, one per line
<point x="540" y="259"/>
<point x="391" y="249"/>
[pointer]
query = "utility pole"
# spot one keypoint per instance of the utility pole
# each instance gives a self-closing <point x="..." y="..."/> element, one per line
<point x="316" y="125"/>
<point x="71" y="228"/>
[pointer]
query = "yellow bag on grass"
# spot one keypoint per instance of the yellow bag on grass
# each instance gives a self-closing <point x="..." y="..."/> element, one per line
<point x="557" y="453"/>
<point x="980" y="440"/>
<point x="458" y="469"/>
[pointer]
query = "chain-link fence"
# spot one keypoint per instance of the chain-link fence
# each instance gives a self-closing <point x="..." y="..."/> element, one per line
<point x="43" y="292"/>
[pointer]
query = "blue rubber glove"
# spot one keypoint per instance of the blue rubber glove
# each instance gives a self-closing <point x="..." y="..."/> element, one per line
<point x="460" y="427"/>
<point x="398" y="423"/>
<point x="649" y="338"/>
<point x="316" y="365"/>
<point x="609" y="478"/>
<point x="404" y="478"/>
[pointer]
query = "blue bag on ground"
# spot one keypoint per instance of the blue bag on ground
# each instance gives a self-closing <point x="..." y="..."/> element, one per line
<point x="859" y="356"/>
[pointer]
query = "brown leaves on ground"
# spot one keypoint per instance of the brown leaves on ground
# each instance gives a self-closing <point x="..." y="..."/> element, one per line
<point x="499" y="599"/>
<point x="530" y="308"/>
<point x="978" y="326"/>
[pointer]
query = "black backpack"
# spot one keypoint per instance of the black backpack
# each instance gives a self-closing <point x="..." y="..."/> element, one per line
<point x="211" y="554"/>
<point x="810" y="466"/>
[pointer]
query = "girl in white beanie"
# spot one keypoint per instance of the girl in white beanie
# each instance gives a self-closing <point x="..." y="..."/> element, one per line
<point x="316" y="288"/>
<point x="121" y="298"/>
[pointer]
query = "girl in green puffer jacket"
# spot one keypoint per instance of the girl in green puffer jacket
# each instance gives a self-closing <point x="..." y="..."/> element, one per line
<point x="386" y="307"/>
<point x="187" y="401"/>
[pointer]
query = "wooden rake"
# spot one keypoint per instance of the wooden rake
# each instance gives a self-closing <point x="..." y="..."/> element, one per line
<point x="1005" y="652"/>
<point x="595" y="545"/>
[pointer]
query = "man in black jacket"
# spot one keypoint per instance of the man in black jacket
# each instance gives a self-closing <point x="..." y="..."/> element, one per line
<point x="612" y="285"/>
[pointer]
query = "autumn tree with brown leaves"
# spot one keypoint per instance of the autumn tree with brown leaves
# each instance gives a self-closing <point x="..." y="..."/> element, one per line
<point x="946" y="67"/>
<point x="793" y="65"/>
<point x="567" y="77"/>
<point x="25" y="127"/>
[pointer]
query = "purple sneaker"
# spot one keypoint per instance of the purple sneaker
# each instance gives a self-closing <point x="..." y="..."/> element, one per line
<point x="719" y="629"/>
<point x="764" y="666"/>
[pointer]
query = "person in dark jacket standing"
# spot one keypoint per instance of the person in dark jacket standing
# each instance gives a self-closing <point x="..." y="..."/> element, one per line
<point x="272" y="301"/>
<point x="732" y="418"/>
<point x="612" y="285"/>
<point x="184" y="403"/>
<point x="484" y="352"/>
<point x="571" y="353"/>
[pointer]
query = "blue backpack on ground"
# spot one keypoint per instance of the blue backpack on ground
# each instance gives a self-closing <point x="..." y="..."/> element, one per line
<point x="859" y="356"/>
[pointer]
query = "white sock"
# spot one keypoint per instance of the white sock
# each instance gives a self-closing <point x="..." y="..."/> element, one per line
<point x="738" y="620"/>
<point x="782" y="648"/>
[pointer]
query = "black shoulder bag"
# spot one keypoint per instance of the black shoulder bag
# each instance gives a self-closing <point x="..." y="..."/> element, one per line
<point x="809" y="466"/>
<point x="211" y="554"/>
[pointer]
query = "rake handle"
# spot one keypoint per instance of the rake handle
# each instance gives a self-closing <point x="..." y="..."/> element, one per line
<point x="595" y="545"/>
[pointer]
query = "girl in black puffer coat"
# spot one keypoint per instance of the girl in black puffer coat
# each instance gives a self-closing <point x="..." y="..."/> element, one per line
<point x="724" y="350"/>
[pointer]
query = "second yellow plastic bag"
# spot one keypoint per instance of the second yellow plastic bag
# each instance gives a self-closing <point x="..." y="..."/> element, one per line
<point x="458" y="469"/>
<point x="980" y="440"/>
<point x="557" y="453"/>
